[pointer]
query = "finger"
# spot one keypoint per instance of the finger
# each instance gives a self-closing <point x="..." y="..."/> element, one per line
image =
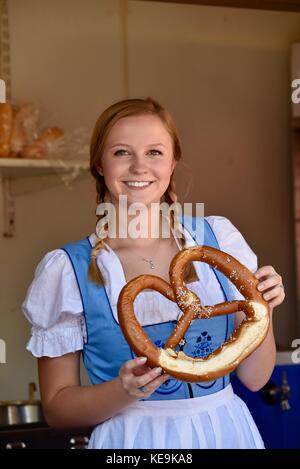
<point x="269" y="282"/>
<point x="264" y="271"/>
<point x="276" y="296"/>
<point x="274" y="303"/>
<point x="151" y="386"/>
<point x="156" y="383"/>
<point x="147" y="377"/>
<point x="131" y="364"/>
<point x="141" y="370"/>
<point x="128" y="367"/>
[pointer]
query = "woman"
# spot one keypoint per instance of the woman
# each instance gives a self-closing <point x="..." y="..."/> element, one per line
<point x="72" y="300"/>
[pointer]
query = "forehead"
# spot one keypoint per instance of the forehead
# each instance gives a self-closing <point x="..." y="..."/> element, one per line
<point x="139" y="130"/>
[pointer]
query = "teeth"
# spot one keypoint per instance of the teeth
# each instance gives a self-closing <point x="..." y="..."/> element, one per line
<point x="138" y="184"/>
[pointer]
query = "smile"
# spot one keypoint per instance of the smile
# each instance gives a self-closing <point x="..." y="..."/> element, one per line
<point x="138" y="183"/>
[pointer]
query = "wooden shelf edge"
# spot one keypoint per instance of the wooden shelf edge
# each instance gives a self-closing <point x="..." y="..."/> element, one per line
<point x="41" y="163"/>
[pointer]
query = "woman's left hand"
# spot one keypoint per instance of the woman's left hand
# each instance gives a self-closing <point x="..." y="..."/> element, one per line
<point x="270" y="284"/>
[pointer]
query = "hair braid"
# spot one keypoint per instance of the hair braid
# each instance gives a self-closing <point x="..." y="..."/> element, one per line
<point x="94" y="272"/>
<point x="190" y="274"/>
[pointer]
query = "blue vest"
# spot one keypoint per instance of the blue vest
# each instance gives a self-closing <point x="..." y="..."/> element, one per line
<point x="106" y="349"/>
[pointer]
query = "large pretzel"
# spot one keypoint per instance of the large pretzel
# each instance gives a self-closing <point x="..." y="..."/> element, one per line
<point x="245" y="339"/>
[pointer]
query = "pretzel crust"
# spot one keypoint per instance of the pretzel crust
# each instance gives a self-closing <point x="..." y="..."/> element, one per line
<point x="244" y="340"/>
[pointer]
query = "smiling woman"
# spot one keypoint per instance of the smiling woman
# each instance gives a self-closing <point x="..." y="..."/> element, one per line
<point x="72" y="305"/>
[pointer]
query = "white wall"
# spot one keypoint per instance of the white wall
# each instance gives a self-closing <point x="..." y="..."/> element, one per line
<point x="224" y="73"/>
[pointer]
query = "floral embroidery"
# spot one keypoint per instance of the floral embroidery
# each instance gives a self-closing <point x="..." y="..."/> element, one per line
<point x="203" y="345"/>
<point x="159" y="343"/>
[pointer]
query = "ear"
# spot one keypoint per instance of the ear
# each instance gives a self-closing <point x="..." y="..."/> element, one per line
<point x="99" y="169"/>
<point x="174" y="163"/>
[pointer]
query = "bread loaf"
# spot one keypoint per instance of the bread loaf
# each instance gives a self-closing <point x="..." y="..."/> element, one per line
<point x="6" y="118"/>
<point x="19" y="135"/>
<point x="39" y="148"/>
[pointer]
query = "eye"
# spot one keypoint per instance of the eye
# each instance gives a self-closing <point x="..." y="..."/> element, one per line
<point x="121" y="152"/>
<point x="155" y="152"/>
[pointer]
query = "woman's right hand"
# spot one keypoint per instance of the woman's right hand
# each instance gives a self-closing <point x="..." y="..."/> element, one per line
<point x="139" y="380"/>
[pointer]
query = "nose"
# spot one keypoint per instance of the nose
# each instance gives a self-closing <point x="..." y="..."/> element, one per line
<point x="138" y="165"/>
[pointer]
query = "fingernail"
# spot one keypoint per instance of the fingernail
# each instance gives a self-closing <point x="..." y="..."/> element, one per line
<point x="261" y="286"/>
<point x="266" y="296"/>
<point x="157" y="370"/>
<point x="142" y="359"/>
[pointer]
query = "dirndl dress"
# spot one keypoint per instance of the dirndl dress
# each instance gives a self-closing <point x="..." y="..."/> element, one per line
<point x="54" y="307"/>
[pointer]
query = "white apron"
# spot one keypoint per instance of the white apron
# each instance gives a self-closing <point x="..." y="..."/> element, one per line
<point x="217" y="421"/>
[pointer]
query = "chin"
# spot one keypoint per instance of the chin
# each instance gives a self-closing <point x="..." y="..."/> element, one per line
<point x="136" y="200"/>
<point x="141" y="198"/>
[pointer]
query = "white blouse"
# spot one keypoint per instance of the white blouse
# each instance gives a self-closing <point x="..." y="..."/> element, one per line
<point x="54" y="308"/>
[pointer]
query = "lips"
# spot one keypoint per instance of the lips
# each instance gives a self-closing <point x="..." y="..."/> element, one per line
<point x="138" y="184"/>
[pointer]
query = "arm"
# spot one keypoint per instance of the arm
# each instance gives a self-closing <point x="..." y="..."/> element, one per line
<point x="255" y="371"/>
<point x="68" y="404"/>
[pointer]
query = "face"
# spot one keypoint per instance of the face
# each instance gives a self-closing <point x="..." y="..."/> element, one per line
<point x="138" y="150"/>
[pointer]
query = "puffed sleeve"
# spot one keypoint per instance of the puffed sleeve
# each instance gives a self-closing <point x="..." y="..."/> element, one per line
<point x="54" y="308"/>
<point x="232" y="241"/>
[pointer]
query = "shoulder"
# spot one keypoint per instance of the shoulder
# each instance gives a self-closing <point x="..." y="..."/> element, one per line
<point x="58" y="260"/>
<point x="55" y="261"/>
<point x="52" y="290"/>
<point x="53" y="307"/>
<point x="220" y="223"/>
<point x="232" y="241"/>
<point x="53" y="267"/>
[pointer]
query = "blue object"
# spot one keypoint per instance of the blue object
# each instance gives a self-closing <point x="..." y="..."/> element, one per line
<point x="279" y="428"/>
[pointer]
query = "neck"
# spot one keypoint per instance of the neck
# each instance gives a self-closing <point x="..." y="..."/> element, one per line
<point x="140" y="231"/>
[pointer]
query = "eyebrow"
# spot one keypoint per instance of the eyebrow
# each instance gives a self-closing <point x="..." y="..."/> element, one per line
<point x="125" y="145"/>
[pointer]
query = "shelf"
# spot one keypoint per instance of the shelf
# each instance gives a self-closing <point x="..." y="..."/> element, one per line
<point x="21" y="167"/>
<point x="281" y="5"/>
<point x="21" y="176"/>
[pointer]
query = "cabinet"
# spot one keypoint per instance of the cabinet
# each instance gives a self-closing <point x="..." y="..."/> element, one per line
<point x="277" y="417"/>
<point x="41" y="436"/>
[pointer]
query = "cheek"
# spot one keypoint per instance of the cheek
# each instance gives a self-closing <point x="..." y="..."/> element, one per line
<point x="163" y="169"/>
<point x="112" y="170"/>
<point x="166" y="172"/>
